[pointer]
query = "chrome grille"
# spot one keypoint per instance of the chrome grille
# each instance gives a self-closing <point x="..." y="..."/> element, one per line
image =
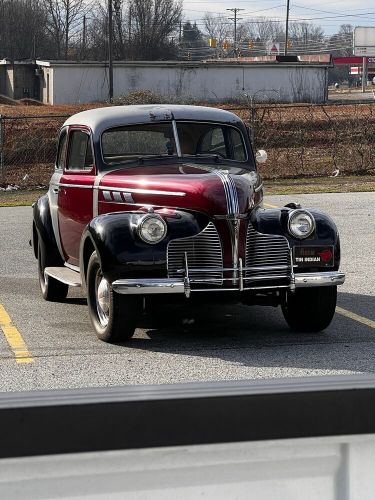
<point x="267" y="254"/>
<point x="203" y="252"/>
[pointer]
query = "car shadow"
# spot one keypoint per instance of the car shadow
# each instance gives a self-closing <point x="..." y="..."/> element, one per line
<point x="235" y="333"/>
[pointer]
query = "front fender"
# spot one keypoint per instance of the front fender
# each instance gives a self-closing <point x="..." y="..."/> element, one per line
<point x="43" y="228"/>
<point x="121" y="251"/>
<point x="275" y="221"/>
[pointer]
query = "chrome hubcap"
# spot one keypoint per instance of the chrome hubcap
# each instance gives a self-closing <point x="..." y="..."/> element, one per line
<point x="102" y="290"/>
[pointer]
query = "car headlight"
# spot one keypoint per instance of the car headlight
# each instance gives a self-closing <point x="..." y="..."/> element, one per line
<point x="301" y="224"/>
<point x="152" y="229"/>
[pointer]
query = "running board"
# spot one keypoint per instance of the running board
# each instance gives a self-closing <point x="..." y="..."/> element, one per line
<point x="65" y="275"/>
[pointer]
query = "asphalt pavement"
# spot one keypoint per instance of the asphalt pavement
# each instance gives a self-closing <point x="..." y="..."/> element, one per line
<point x="184" y="344"/>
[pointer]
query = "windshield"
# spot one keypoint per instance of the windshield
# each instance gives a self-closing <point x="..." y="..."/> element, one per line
<point x="211" y="140"/>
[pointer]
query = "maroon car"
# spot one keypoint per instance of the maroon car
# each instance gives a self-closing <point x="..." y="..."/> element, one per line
<point x="151" y="200"/>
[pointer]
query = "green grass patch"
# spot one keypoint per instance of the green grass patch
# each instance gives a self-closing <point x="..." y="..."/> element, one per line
<point x="19" y="198"/>
<point x="352" y="184"/>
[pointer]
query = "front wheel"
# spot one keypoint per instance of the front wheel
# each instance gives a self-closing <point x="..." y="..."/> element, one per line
<point x="113" y="316"/>
<point x="310" y="309"/>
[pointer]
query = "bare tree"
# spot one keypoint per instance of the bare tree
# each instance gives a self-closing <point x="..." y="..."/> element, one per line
<point x="153" y="24"/>
<point x="22" y="29"/>
<point x="262" y="31"/>
<point x="306" y="37"/>
<point x="216" y="27"/>
<point x="64" y="18"/>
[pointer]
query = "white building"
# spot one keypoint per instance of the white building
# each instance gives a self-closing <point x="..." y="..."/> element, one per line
<point x="298" y="80"/>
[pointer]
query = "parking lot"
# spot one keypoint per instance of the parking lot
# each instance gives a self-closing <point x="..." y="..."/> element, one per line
<point x="52" y="345"/>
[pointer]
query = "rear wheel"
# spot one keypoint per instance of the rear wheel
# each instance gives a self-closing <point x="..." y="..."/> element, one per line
<point x="52" y="289"/>
<point x="113" y="316"/>
<point x="310" y="309"/>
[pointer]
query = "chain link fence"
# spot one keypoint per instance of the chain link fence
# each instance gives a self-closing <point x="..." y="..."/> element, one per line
<point x="28" y="149"/>
<point x="301" y="141"/>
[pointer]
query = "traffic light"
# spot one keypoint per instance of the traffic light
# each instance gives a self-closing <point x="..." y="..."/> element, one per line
<point x="189" y="56"/>
<point x="225" y="45"/>
<point x="212" y="42"/>
<point x="250" y="45"/>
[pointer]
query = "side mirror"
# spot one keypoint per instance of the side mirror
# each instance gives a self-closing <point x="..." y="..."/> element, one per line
<point x="261" y="156"/>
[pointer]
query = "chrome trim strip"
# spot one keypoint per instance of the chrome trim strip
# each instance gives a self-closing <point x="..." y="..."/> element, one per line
<point x="72" y="267"/>
<point x="95" y="196"/>
<point x="257" y="189"/>
<point x="117" y="196"/>
<point x="53" y="204"/>
<point x="128" y="198"/>
<point x="231" y="196"/>
<point x="107" y="195"/>
<point x="81" y="186"/>
<point x="331" y="278"/>
<point x="140" y="191"/>
<point x="148" y="286"/>
<point x="176" y="138"/>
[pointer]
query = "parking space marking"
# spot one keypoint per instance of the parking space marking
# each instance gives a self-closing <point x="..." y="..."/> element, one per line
<point x="14" y="338"/>
<point x="356" y="317"/>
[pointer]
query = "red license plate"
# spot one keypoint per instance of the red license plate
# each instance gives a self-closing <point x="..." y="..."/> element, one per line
<point x="321" y="256"/>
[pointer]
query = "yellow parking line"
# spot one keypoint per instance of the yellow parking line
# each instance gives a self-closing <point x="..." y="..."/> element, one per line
<point x="356" y="317"/>
<point x="14" y="338"/>
<point x="270" y="206"/>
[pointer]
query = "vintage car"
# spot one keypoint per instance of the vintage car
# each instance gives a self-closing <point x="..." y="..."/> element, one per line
<point x="154" y="200"/>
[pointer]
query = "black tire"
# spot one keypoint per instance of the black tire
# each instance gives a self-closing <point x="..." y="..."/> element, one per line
<point x="310" y="309"/>
<point x="116" y="321"/>
<point x="52" y="290"/>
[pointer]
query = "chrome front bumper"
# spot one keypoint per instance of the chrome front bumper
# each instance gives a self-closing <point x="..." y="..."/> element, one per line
<point x="183" y="286"/>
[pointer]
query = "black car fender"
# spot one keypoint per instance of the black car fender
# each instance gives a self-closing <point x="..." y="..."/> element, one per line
<point x="43" y="230"/>
<point x="275" y="221"/>
<point x="122" y="252"/>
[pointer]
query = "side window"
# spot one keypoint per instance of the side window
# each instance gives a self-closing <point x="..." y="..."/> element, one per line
<point x="61" y="151"/>
<point x="239" y="153"/>
<point x="214" y="142"/>
<point x="80" y="152"/>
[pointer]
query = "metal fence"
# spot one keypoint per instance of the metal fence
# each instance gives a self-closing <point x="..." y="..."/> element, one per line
<point x="301" y="141"/>
<point x="28" y="148"/>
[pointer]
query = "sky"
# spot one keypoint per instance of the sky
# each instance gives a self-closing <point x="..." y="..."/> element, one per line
<point x="328" y="14"/>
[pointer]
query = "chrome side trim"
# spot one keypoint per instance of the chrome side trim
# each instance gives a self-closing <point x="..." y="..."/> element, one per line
<point x="303" y="280"/>
<point x="81" y="186"/>
<point x="117" y="196"/>
<point x="95" y="195"/>
<point x="53" y="205"/>
<point x="107" y="196"/>
<point x="257" y="189"/>
<point x="140" y="191"/>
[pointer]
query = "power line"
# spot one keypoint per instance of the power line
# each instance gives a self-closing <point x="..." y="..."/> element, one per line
<point x="235" y="19"/>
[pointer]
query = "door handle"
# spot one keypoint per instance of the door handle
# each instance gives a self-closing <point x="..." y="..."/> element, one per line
<point x="55" y="190"/>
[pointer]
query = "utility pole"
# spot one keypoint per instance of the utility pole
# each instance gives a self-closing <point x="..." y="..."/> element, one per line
<point x="84" y="35"/>
<point x="110" y="49"/>
<point x="287" y="28"/>
<point x="235" y="19"/>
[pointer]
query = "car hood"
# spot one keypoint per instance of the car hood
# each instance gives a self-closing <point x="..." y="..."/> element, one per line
<point x="216" y="190"/>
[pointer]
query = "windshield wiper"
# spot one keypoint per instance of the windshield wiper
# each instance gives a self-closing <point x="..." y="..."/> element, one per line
<point x="210" y="156"/>
<point x="141" y="159"/>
